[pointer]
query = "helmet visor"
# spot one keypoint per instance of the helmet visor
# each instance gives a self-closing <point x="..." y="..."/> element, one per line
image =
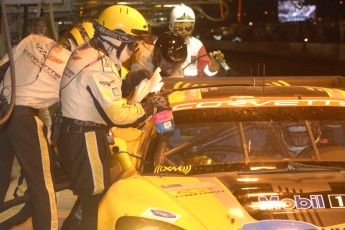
<point x="297" y="135"/>
<point x="116" y="34"/>
<point x="183" y="28"/>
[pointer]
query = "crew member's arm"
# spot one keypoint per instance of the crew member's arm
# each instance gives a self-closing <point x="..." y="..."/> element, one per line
<point x="208" y="65"/>
<point x="115" y="110"/>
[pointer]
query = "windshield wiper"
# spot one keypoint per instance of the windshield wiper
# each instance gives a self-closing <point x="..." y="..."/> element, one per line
<point x="292" y="168"/>
<point x="298" y="166"/>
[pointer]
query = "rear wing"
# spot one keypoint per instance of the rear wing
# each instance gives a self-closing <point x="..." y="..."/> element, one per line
<point x="173" y="84"/>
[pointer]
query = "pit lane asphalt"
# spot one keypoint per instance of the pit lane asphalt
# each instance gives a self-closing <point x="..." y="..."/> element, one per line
<point x="65" y="200"/>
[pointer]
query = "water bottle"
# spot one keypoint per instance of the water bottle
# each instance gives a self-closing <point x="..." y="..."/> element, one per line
<point x="164" y="121"/>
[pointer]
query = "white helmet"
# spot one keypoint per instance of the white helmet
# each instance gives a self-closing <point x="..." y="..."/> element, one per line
<point x="181" y="13"/>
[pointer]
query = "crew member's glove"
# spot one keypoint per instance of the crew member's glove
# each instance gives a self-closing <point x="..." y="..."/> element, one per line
<point x="216" y="57"/>
<point x="133" y="78"/>
<point x="155" y="103"/>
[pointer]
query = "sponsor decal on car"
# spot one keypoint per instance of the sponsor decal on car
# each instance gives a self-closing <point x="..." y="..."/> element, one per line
<point x="161" y="215"/>
<point x="185" y="169"/>
<point x="256" y="103"/>
<point x="193" y="189"/>
<point x="299" y="202"/>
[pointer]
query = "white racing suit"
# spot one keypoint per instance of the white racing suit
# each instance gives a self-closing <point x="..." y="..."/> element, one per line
<point x="39" y="63"/>
<point x="195" y="65"/>
<point x="91" y="102"/>
<point x="143" y="59"/>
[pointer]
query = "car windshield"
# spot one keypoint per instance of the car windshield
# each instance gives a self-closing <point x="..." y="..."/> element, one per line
<point x="248" y="136"/>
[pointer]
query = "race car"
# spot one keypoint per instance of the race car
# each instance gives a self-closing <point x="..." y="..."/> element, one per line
<point x="243" y="154"/>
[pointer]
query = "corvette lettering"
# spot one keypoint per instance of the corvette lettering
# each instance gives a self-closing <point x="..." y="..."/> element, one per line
<point x="41" y="65"/>
<point x="257" y="103"/>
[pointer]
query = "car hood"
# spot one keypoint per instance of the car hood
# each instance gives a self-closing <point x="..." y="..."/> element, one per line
<point x="233" y="200"/>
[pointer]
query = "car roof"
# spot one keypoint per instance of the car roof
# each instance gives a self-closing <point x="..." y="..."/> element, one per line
<point x="317" y="81"/>
<point x="200" y="90"/>
<point x="266" y="91"/>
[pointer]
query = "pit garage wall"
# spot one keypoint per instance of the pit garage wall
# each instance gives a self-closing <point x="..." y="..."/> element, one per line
<point x="327" y="51"/>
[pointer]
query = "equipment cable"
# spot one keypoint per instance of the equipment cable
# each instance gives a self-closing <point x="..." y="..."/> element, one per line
<point x="225" y="66"/>
<point x="7" y="114"/>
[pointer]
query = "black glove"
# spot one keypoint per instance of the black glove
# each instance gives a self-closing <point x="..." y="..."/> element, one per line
<point x="155" y="103"/>
<point x="133" y="78"/>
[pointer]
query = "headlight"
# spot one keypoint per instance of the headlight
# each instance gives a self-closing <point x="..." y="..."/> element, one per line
<point x="279" y="224"/>
<point x="139" y="223"/>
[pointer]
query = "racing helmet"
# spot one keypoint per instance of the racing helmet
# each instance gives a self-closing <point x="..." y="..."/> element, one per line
<point x="123" y="23"/>
<point x="82" y="32"/>
<point x="182" y="20"/>
<point x="118" y="27"/>
<point x="296" y="137"/>
<point x="170" y="51"/>
<point x="79" y="34"/>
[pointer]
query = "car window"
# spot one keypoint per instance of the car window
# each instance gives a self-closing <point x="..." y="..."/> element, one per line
<point x="218" y="139"/>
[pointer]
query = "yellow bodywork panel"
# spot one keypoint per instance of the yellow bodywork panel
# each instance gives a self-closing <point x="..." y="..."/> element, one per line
<point x="196" y="203"/>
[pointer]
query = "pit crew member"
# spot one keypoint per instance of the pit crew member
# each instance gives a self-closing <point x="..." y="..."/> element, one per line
<point x="15" y="215"/>
<point x="91" y="102"/>
<point x="39" y="63"/>
<point x="198" y="62"/>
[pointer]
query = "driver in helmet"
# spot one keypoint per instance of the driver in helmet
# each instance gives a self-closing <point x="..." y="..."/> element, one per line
<point x="91" y="102"/>
<point x="170" y="52"/>
<point x="198" y="62"/>
<point x="296" y="137"/>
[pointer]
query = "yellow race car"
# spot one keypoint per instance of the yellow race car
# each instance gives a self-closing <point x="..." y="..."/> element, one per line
<point x="244" y="154"/>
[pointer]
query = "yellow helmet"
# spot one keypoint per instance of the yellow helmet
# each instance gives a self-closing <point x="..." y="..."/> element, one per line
<point x="82" y="32"/>
<point x="123" y="72"/>
<point x="121" y="22"/>
<point x="79" y="34"/>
